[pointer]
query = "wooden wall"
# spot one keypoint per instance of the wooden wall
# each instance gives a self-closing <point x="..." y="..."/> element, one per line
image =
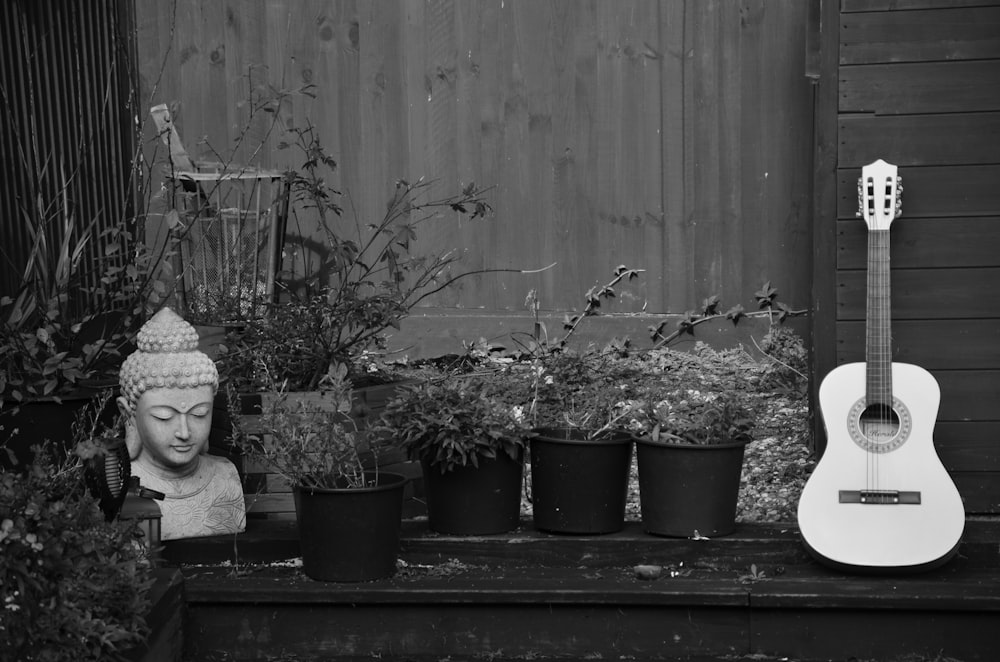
<point x="673" y="136"/>
<point x="919" y="86"/>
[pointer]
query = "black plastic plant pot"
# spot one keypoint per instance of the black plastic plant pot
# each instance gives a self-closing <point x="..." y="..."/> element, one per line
<point x="687" y="490"/>
<point x="351" y="534"/>
<point x="579" y="485"/>
<point x="474" y="500"/>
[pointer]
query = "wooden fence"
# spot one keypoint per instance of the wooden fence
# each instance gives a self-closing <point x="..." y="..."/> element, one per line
<point x="672" y="136"/>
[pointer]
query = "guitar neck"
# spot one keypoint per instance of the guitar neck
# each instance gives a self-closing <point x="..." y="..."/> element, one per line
<point x="878" y="334"/>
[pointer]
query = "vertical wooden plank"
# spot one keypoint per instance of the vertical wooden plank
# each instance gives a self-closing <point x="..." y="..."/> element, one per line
<point x="534" y="70"/>
<point x="575" y="171"/>
<point x="702" y="127"/>
<point x="675" y="173"/>
<point x="572" y="69"/>
<point x="379" y="83"/>
<point x="475" y="241"/>
<point x="342" y="55"/>
<point x="758" y="87"/>
<point x="603" y="215"/>
<point x="441" y="87"/>
<point x="774" y="202"/>
<point x="489" y="128"/>
<point x="651" y="290"/>
<point x="629" y="205"/>
<point x="517" y="37"/>
<point x="729" y="156"/>
<point x="824" y="289"/>
<point x="544" y="107"/>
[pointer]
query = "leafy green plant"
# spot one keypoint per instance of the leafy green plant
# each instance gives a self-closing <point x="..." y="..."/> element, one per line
<point x="753" y="575"/>
<point x="87" y="278"/>
<point x="311" y="444"/>
<point x="580" y="390"/>
<point x="453" y="423"/>
<point x="74" y="314"/>
<point x="73" y="586"/>
<point x="364" y="281"/>
<point x="689" y="416"/>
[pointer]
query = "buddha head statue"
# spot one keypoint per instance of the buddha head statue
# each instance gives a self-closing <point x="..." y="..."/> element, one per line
<point x="167" y="390"/>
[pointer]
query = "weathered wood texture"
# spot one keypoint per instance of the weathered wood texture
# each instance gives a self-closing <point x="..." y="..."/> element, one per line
<point x="670" y="135"/>
<point x="917" y="87"/>
<point x="529" y="595"/>
<point x="165" y="618"/>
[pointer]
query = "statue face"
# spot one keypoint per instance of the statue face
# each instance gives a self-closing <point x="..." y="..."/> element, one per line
<point x="173" y="425"/>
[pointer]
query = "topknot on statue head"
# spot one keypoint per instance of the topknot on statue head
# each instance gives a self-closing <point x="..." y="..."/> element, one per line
<point x="167" y="356"/>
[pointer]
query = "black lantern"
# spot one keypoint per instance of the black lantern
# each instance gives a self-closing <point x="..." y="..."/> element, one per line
<point x="109" y="477"/>
<point x="140" y="505"/>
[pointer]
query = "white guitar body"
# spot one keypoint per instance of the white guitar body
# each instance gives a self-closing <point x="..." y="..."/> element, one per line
<point x="879" y="499"/>
<point x="886" y="536"/>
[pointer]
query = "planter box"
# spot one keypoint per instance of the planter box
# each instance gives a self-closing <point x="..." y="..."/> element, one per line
<point x="165" y="619"/>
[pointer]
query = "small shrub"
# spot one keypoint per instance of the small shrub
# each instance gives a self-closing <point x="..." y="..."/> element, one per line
<point x="73" y="587"/>
<point x="363" y="281"/>
<point x="787" y="362"/>
<point x="453" y="423"/>
<point x="310" y="444"/>
<point x="693" y="417"/>
<point x="580" y="390"/>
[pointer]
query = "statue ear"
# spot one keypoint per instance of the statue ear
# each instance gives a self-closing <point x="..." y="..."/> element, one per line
<point x="132" y="441"/>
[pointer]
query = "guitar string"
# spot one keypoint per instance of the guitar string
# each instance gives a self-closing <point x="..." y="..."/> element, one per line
<point x="885" y="363"/>
<point x="872" y="373"/>
<point x="885" y="311"/>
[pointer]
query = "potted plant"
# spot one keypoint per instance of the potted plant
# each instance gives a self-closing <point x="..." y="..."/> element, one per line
<point x="580" y="455"/>
<point x="471" y="449"/>
<point x="340" y="295"/>
<point x="690" y="455"/>
<point x="348" y="511"/>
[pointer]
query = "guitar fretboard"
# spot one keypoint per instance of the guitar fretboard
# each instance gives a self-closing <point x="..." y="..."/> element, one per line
<point x="878" y="340"/>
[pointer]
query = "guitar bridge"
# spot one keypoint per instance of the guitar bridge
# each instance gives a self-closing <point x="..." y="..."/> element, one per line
<point x="879" y="497"/>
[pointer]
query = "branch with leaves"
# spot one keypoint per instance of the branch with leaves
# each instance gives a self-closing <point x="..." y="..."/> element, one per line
<point x="539" y="336"/>
<point x="767" y="304"/>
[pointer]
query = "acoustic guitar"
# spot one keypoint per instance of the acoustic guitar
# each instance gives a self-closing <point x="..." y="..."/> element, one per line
<point x="879" y="498"/>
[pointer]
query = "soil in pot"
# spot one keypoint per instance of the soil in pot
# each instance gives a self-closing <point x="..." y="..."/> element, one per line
<point x="688" y="490"/>
<point x="351" y="534"/>
<point x="474" y="501"/>
<point x="579" y="485"/>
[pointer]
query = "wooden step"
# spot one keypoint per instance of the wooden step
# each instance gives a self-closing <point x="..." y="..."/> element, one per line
<point x="528" y="595"/>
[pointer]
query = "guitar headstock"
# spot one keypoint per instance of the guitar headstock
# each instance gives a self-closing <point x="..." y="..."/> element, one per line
<point x="880" y="195"/>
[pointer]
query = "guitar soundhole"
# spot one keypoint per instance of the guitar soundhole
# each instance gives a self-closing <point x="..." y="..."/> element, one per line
<point x="879" y="428"/>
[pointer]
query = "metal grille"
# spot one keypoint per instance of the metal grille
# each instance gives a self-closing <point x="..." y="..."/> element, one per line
<point x="229" y="247"/>
<point x="67" y="128"/>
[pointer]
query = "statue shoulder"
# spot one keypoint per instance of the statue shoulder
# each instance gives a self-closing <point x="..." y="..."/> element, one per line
<point x="220" y="465"/>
